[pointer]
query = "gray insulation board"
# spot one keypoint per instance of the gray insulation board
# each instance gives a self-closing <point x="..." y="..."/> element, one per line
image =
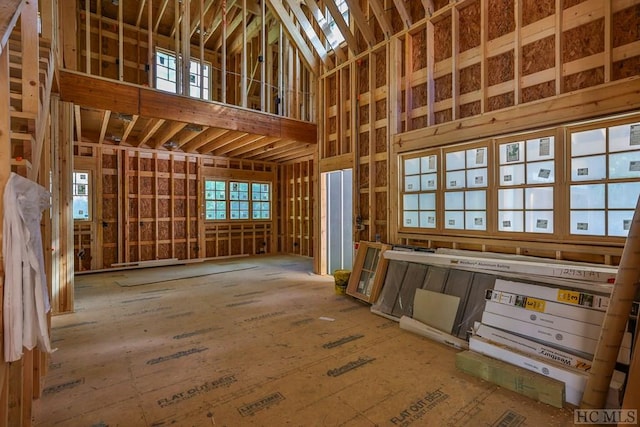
<point x="459" y="284"/>
<point x="412" y="280"/>
<point x="475" y="302"/>
<point x="396" y="271"/>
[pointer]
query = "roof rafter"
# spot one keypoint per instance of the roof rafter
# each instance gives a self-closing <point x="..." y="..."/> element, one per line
<point x="278" y="10"/>
<point x="312" y="36"/>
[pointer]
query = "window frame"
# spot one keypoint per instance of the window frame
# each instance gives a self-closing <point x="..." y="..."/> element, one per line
<point x="204" y="93"/>
<point x="74" y="185"/>
<point x="229" y="201"/>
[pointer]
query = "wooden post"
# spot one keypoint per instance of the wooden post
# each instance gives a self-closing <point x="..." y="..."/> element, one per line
<point x="615" y="321"/>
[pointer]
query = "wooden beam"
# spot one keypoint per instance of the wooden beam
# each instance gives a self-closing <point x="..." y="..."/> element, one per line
<point x="105" y="124"/>
<point x="304" y="23"/>
<point x="150" y="129"/>
<point x="226" y="139"/>
<point x="402" y="11"/>
<point x="343" y="26"/>
<point x="267" y="143"/>
<point x="95" y="92"/>
<point x="223" y="149"/>
<point x="140" y="10"/>
<point x="78" y="123"/>
<point x="361" y="22"/>
<point x="188" y="136"/>
<point x="163" y="8"/>
<point x="128" y="128"/>
<point x="169" y="130"/>
<point x="278" y="10"/>
<point x="379" y="12"/>
<point x="616" y="97"/>
<point x="203" y="138"/>
<point x="10" y="11"/>
<point x="324" y="26"/>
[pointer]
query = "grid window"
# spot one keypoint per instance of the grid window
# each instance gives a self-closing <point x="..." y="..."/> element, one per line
<point x="81" y="196"/>
<point x="419" y="195"/>
<point x="167" y="75"/>
<point x="465" y="198"/>
<point x="215" y="196"/>
<point x="526" y="193"/>
<point x="260" y="200"/>
<point x="605" y="167"/>
<point x="239" y="196"/>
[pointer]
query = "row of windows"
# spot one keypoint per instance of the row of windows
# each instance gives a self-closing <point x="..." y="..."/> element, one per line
<point x="601" y="183"/>
<point x="223" y="200"/>
<point x="167" y="74"/>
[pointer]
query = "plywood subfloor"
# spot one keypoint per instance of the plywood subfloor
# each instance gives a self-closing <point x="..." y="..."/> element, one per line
<point x="269" y="346"/>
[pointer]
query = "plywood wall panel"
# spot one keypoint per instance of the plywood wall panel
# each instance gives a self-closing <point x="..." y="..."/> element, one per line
<point x="584" y="79"/>
<point x="470" y="109"/>
<point x="364" y="175"/>
<point x="625" y="68"/>
<point x="501" y="101"/>
<point x="501" y="19"/>
<point x="364" y="143"/>
<point x="470" y="79"/>
<point x="535" y="10"/>
<point x="381" y="144"/>
<point x="539" y="91"/>
<point x="538" y="56"/>
<point x="500" y="68"/>
<point x="566" y="4"/>
<point x="419" y="96"/>
<point x="443" y="87"/>
<point x="583" y="41"/>
<point x="418" y="51"/>
<point x="442" y="39"/>
<point x="443" y="116"/>
<point x="469" y="27"/>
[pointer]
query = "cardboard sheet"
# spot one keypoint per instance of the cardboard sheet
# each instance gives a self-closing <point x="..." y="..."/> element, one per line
<point x="435" y="309"/>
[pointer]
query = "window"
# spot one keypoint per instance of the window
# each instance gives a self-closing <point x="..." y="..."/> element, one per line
<point x="260" y="196"/>
<point x="81" y="195"/>
<point x="465" y="201"/>
<point x="215" y="196"/>
<point x="336" y="36"/>
<point x="236" y="200"/>
<point x="419" y="196"/>
<point x="167" y="75"/>
<point x="605" y="167"/>
<point x="525" y="192"/>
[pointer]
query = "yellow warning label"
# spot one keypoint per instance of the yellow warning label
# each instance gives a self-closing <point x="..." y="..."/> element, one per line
<point x="571" y="297"/>
<point x="535" y="304"/>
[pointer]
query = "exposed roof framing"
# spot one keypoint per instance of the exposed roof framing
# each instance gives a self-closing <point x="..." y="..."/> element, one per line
<point x="360" y="20"/>
<point x="342" y="25"/>
<point x="309" y="31"/>
<point x="289" y="26"/>
<point x="324" y="26"/>
<point x="378" y="10"/>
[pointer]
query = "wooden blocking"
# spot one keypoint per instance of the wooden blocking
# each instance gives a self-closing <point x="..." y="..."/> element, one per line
<point x="530" y="384"/>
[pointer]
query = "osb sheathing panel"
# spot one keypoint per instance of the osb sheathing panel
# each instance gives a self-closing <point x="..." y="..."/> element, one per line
<point x="442" y="39"/>
<point x="403" y="97"/>
<point x="535" y="10"/>
<point x="146" y="185"/>
<point x="109" y="184"/>
<point x="625" y="26"/>
<point x="109" y="208"/>
<point x="583" y="41"/>
<point x="164" y="187"/>
<point x="133" y="185"/>
<point x="133" y="208"/>
<point x="162" y="165"/>
<point x="381" y="206"/>
<point x="381" y="140"/>
<point x="364" y="206"/>
<point x="179" y="167"/>
<point x="470" y="109"/>
<point x="378" y="35"/>
<point x="381" y="66"/>
<point x="470" y="79"/>
<point x="418" y="50"/>
<point x="443" y="116"/>
<point x="164" y="209"/>
<point x="363" y="114"/>
<point x="331" y="90"/>
<point x="469" y="28"/>
<point x="415" y="9"/>
<point x="381" y="109"/>
<point x="249" y="245"/>
<point x="364" y="143"/>
<point x="109" y="256"/>
<point x="419" y="96"/>
<point x="109" y="161"/>
<point x="419" y="122"/>
<point x="147" y="207"/>
<point x="501" y="18"/>
<point x="500" y="68"/>
<point x="539" y="91"/>
<point x="439" y="4"/>
<point x="236" y="244"/>
<point x="192" y="168"/>
<point x="364" y="175"/>
<point x="625" y="68"/>
<point x="179" y="187"/>
<point x="147" y="231"/>
<point x="146" y="252"/>
<point x="110" y="234"/>
<point x="223" y="248"/>
<point x="539" y="55"/>
<point x="396" y="21"/>
<point x="146" y="164"/>
<point x="133" y="231"/>
<point x="381" y="173"/>
<point x="362" y="69"/>
<point x="193" y="232"/>
<point x="180" y="251"/>
<point x="443" y="87"/>
<point x="164" y="251"/>
<point x="193" y="188"/>
<point x="584" y="79"/>
<point x="331" y="148"/>
<point x="500" y="101"/>
<point x="332" y="125"/>
<point x="570" y="3"/>
<point x="164" y="231"/>
<point x="180" y="229"/>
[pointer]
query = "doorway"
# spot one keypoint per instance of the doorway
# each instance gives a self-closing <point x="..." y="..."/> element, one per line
<point x="338" y="220"/>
